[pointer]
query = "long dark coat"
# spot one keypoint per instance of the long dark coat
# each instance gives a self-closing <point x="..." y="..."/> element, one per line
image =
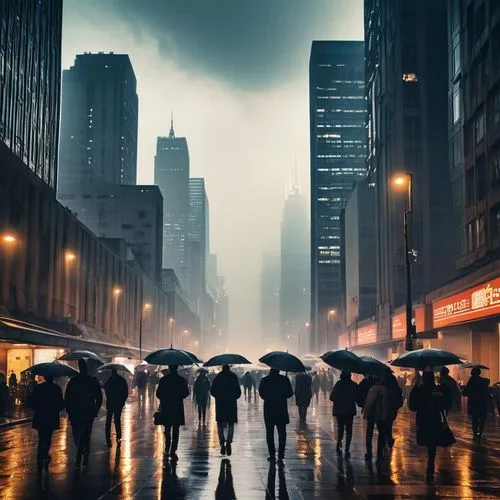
<point x="343" y="397"/>
<point x="303" y="389"/>
<point x="46" y="401"/>
<point x="478" y="395"/>
<point x="83" y="397"/>
<point x="275" y="389"/>
<point x="201" y="390"/>
<point x="116" y="389"/>
<point x="226" y="390"/>
<point x="429" y="403"/>
<point x="172" y="390"/>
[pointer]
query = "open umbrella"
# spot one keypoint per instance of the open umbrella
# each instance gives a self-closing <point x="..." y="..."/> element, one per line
<point x="474" y="365"/>
<point x="283" y="361"/>
<point x="53" y="369"/>
<point x="114" y="366"/>
<point x="373" y="366"/>
<point x="343" y="360"/>
<point x="227" y="359"/>
<point x="423" y="358"/>
<point x="80" y="354"/>
<point x="171" y="356"/>
<point x="201" y="370"/>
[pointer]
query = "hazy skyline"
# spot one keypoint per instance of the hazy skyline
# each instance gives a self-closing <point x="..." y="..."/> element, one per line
<point x="235" y="75"/>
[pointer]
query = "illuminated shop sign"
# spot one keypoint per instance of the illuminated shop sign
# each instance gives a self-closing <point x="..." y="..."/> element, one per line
<point x="344" y="340"/>
<point x="367" y="334"/>
<point x="399" y="322"/>
<point x="477" y="302"/>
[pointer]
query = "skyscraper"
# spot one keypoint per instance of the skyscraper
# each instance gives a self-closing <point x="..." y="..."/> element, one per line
<point x="98" y="122"/>
<point x="407" y="85"/>
<point x="30" y="83"/>
<point x="295" y="277"/>
<point x="270" y="279"/>
<point x="338" y="147"/>
<point x="172" y="177"/>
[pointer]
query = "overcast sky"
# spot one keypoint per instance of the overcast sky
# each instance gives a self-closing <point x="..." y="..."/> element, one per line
<point x="235" y="74"/>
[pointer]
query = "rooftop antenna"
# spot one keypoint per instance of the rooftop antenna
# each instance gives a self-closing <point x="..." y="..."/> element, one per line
<point x="171" y="134"/>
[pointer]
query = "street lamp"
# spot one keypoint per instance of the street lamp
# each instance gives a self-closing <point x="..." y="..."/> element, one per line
<point x="331" y="313"/>
<point x="117" y="291"/>
<point x="69" y="256"/>
<point x="171" y="326"/>
<point x="8" y="239"/>
<point x="406" y="181"/>
<point x="147" y="307"/>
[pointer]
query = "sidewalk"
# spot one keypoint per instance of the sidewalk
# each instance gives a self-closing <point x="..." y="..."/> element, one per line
<point x="16" y="416"/>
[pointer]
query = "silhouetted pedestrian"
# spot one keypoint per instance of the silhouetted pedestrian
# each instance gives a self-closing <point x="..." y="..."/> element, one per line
<point x="343" y="396"/>
<point x="46" y="401"/>
<point x="363" y="388"/>
<point x="172" y="390"/>
<point x="141" y="384"/>
<point x="248" y="383"/>
<point x="153" y="380"/>
<point x="116" y="389"/>
<point x="201" y="392"/>
<point x="428" y="402"/>
<point x="377" y="408"/>
<point x="275" y="389"/>
<point x="13" y="386"/>
<point x="83" y="400"/>
<point x="395" y="402"/>
<point x="451" y="393"/>
<point x="478" y="402"/>
<point x="303" y="394"/>
<point x="226" y="391"/>
<point x="4" y="396"/>
<point x="495" y="392"/>
<point x="316" y="385"/>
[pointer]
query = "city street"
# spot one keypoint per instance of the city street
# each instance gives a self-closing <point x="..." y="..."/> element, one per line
<point x="311" y="470"/>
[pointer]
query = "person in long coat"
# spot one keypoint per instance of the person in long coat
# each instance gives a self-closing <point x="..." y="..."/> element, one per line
<point x="46" y="401"/>
<point x="395" y="402"/>
<point x="201" y="391"/>
<point x="116" y="389"/>
<point x="4" y="395"/>
<point x="172" y="390"/>
<point x="226" y="390"/>
<point x="429" y="404"/>
<point x="343" y="396"/>
<point x="275" y="389"/>
<point x="83" y="399"/>
<point x="478" y="402"/>
<point x="303" y="394"/>
<point x="451" y="392"/>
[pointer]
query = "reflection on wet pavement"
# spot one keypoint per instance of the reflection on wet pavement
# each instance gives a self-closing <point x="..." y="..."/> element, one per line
<point x="312" y="469"/>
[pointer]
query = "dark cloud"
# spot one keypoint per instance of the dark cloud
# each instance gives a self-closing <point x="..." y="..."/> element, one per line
<point x="249" y="43"/>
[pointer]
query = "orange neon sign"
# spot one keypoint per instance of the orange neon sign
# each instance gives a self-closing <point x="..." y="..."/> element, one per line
<point x="475" y="303"/>
<point x="367" y="334"/>
<point x="399" y="322"/>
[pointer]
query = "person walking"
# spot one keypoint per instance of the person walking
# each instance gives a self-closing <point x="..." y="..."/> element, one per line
<point x="450" y="390"/>
<point x="172" y="390"/>
<point x="395" y="402"/>
<point x="153" y="380"/>
<point x="303" y="394"/>
<point x="478" y="402"/>
<point x="226" y="391"/>
<point x="377" y="408"/>
<point x="141" y="384"/>
<point x="343" y="397"/>
<point x="248" y="383"/>
<point x="201" y="392"/>
<point x="316" y="385"/>
<point x="116" y="389"/>
<point x="13" y="386"/>
<point x="363" y="388"/>
<point x="46" y="401"/>
<point x="275" y="389"/>
<point x="4" y="396"/>
<point x="83" y="399"/>
<point x="428" y="402"/>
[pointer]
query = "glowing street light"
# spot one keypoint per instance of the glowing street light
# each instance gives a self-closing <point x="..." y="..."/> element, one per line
<point x="117" y="291"/>
<point x="69" y="256"/>
<point x="148" y="306"/>
<point x="9" y="239"/>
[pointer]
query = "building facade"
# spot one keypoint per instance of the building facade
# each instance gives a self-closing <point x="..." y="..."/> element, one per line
<point x="295" y="276"/>
<point x="338" y="148"/>
<point x="131" y="213"/>
<point x="30" y="83"/>
<point x="172" y="177"/>
<point x="99" y="117"/>
<point x="406" y="88"/>
<point x="270" y="284"/>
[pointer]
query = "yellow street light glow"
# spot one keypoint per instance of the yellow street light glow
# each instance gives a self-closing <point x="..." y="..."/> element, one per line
<point x="69" y="256"/>
<point x="332" y="312"/>
<point x="9" y="238"/>
<point x="147" y="306"/>
<point x="117" y="291"/>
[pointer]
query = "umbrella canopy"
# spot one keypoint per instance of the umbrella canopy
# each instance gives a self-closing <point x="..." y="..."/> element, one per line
<point x="80" y="354"/>
<point x="373" y="366"/>
<point x="283" y="361"/>
<point x="227" y="359"/>
<point x="344" y="360"/>
<point x="423" y="358"/>
<point x="201" y="370"/>
<point x="474" y="365"/>
<point x="114" y="366"/>
<point x="171" y="356"/>
<point x="53" y="369"/>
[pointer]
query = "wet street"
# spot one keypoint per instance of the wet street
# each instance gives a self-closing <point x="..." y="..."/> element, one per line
<point x="311" y="470"/>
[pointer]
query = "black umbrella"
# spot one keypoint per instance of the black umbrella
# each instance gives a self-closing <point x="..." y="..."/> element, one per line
<point x="344" y="360"/>
<point x="80" y="354"/>
<point x="283" y="361"/>
<point x="171" y="356"/>
<point x="423" y="358"/>
<point x="227" y="359"/>
<point x="114" y="366"/>
<point x="373" y="366"/>
<point x="474" y="365"/>
<point x="53" y="369"/>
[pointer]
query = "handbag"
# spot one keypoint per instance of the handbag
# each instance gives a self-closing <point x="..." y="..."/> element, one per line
<point x="446" y="437"/>
<point x="157" y="416"/>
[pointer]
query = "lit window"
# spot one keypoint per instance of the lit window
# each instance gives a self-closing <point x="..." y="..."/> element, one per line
<point x="410" y="77"/>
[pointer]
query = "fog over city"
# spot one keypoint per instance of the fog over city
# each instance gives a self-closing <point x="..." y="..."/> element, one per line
<point x="234" y="74"/>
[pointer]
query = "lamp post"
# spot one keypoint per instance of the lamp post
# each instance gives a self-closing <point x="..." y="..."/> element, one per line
<point x="171" y="326"/>
<point x="402" y="181"/>
<point x="146" y="308"/>
<point x="331" y="312"/>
